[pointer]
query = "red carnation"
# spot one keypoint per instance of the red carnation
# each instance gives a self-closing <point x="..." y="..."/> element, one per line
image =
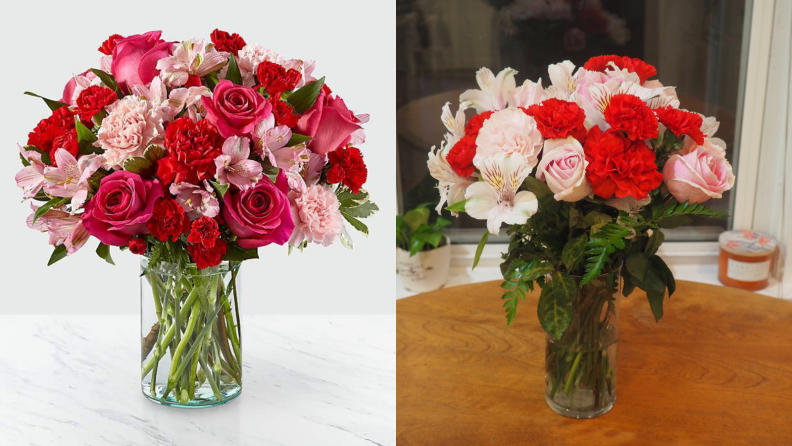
<point x="347" y="167"/>
<point x="284" y="114"/>
<point x="192" y="149"/>
<point x="637" y="66"/>
<point x="224" y="41"/>
<point x="618" y="166"/>
<point x="92" y="100"/>
<point x="460" y="157"/>
<point x="631" y="115"/>
<point x="55" y="132"/>
<point x="557" y="119"/>
<point x="137" y="246"/>
<point x="275" y="79"/>
<point x="208" y="257"/>
<point x="682" y="122"/>
<point x="168" y="221"/>
<point x="473" y="126"/>
<point x="110" y="44"/>
<point x="205" y="231"/>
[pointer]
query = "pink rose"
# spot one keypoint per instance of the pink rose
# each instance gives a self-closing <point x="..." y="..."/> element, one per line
<point x="329" y="122"/>
<point x="698" y="173"/>
<point x="316" y="215"/>
<point x="259" y="215"/>
<point x="563" y="168"/>
<point x="135" y="58"/>
<point x="121" y="207"/>
<point x="235" y="110"/>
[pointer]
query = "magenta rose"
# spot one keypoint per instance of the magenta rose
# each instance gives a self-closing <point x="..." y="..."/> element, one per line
<point x="329" y="122"/>
<point x="121" y="207"/>
<point x="135" y="58"/>
<point x="698" y="172"/>
<point x="261" y="214"/>
<point x="235" y="109"/>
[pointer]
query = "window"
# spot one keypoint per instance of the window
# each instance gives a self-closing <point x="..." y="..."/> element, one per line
<point x="696" y="45"/>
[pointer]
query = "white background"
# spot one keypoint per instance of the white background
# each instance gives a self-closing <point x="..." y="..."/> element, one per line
<point x="353" y="43"/>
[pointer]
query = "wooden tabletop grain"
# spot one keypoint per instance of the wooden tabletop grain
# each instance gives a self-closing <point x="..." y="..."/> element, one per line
<point x="716" y="370"/>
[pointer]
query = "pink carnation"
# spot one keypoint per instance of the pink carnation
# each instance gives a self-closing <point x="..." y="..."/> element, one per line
<point x="316" y="216"/>
<point x="130" y="126"/>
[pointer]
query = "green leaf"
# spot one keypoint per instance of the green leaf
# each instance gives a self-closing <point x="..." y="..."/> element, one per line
<point x="362" y="211"/>
<point x="357" y="224"/>
<point x="459" y="206"/>
<point x="564" y="287"/>
<point x="296" y="139"/>
<point x="651" y="281"/>
<point x="103" y="251"/>
<point x="154" y="153"/>
<point x="416" y="217"/>
<point x="554" y="314"/>
<point x="53" y="203"/>
<point x="58" y="253"/>
<point x="664" y="271"/>
<point x="233" y="73"/>
<point x="140" y="166"/>
<point x="656" y="303"/>
<point x="85" y="139"/>
<point x="416" y="246"/>
<point x="573" y="250"/>
<point x="237" y="254"/>
<point x="537" y="270"/>
<point x="654" y="242"/>
<point x="220" y="188"/>
<point x="480" y="249"/>
<point x="673" y="222"/>
<point x="512" y="298"/>
<point x="595" y="218"/>
<point x="629" y="286"/>
<point x="637" y="265"/>
<point x="108" y="80"/>
<point x="53" y="105"/>
<point x="304" y="98"/>
<point x="538" y="188"/>
<point x="433" y="238"/>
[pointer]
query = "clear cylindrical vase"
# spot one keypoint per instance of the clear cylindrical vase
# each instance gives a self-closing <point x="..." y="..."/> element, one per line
<point x="580" y="368"/>
<point x="191" y="347"/>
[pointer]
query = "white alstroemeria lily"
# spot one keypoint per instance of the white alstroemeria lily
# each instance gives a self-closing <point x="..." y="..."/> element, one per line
<point x="268" y="137"/>
<point x="234" y="167"/>
<point x="709" y="125"/>
<point x="496" y="198"/>
<point x="666" y="95"/>
<point x="70" y="178"/>
<point x="31" y="177"/>
<point x="495" y="91"/>
<point x="449" y="183"/>
<point x="562" y="80"/>
<point x="192" y="57"/>
<point x="455" y="124"/>
<point x="527" y="94"/>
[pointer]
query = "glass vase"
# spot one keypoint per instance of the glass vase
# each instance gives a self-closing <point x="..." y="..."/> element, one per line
<point x="580" y="368"/>
<point x="191" y="348"/>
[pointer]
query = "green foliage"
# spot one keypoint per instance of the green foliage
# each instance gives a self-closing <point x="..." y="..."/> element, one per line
<point x="103" y="251"/>
<point x="519" y="279"/>
<point x="55" y="202"/>
<point x="85" y="139"/>
<point x="459" y="206"/>
<point x="414" y="233"/>
<point x="555" y="304"/>
<point x="602" y="244"/>
<point x="141" y="166"/>
<point x="296" y="139"/>
<point x="108" y="80"/>
<point x="355" y="206"/>
<point x="480" y="249"/>
<point x="686" y="208"/>
<point x="304" y="98"/>
<point x="53" y="105"/>
<point x="237" y="254"/>
<point x="573" y="251"/>
<point x="220" y="188"/>
<point x="233" y="74"/>
<point x="154" y="153"/>
<point x="57" y="254"/>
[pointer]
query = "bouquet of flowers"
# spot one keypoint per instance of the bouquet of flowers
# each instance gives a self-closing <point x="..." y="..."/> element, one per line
<point x="585" y="172"/>
<point x="193" y="153"/>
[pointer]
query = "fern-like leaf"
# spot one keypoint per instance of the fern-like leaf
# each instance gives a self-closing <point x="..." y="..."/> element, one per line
<point x="686" y="208"/>
<point x="603" y="243"/>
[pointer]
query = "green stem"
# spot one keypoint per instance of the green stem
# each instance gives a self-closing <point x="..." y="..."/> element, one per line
<point x="571" y="377"/>
<point x="173" y="377"/>
<point x="210" y="378"/>
<point x="159" y="349"/>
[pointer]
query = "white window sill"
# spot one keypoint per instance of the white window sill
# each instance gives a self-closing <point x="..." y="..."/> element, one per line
<point x="691" y="261"/>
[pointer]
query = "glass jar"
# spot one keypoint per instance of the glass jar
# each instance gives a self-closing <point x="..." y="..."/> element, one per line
<point x="745" y="259"/>
<point x="580" y="368"/>
<point x="191" y="348"/>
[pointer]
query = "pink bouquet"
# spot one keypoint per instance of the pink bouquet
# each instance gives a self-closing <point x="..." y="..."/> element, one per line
<point x="195" y="152"/>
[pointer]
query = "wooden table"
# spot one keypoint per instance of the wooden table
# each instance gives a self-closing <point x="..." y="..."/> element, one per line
<point x="716" y="370"/>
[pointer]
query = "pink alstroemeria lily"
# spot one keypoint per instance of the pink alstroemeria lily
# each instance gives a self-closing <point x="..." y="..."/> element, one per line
<point x="63" y="228"/>
<point x="196" y="200"/>
<point x="234" y="167"/>
<point x="192" y="57"/>
<point x="268" y="137"/>
<point x="31" y="177"/>
<point x="495" y="198"/>
<point x="70" y="178"/>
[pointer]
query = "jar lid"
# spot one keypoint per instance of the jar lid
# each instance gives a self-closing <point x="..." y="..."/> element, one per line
<point x="747" y="243"/>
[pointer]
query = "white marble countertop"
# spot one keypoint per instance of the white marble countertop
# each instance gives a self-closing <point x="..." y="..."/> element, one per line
<point x="308" y="380"/>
